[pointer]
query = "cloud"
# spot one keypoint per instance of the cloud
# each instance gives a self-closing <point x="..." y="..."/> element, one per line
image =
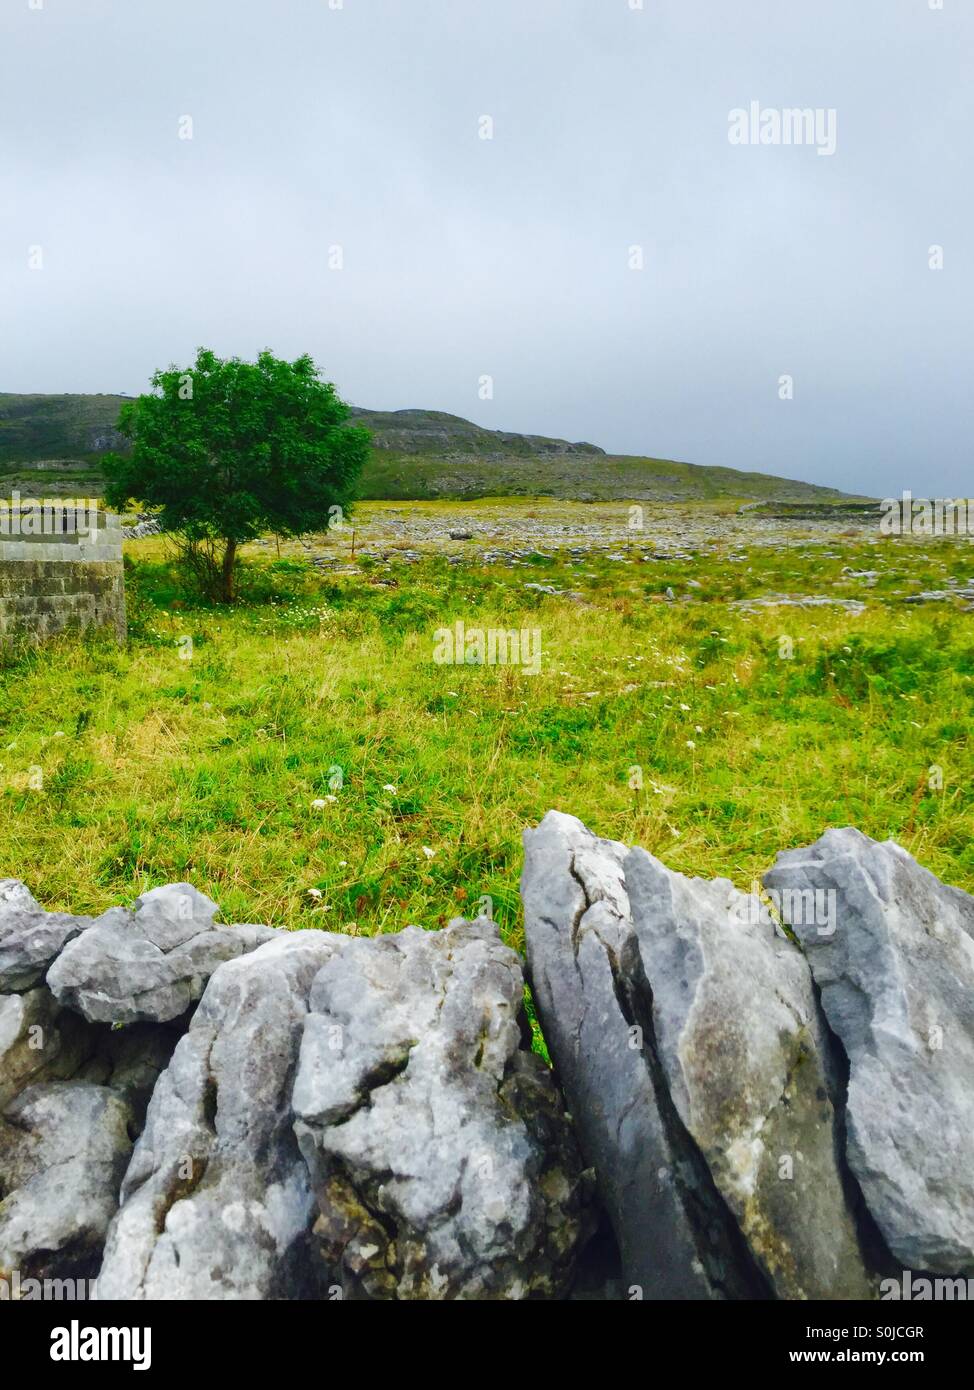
<point x="359" y="127"/>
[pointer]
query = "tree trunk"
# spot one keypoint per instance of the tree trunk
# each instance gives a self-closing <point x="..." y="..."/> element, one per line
<point x="227" y="575"/>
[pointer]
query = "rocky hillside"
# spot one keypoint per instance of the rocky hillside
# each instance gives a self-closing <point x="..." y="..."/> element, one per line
<point x="57" y="427"/>
<point x="52" y="444"/>
<point x="427" y="454"/>
<point x="418" y="432"/>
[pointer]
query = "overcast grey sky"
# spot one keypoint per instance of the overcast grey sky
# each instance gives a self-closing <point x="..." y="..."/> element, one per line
<point x="317" y="125"/>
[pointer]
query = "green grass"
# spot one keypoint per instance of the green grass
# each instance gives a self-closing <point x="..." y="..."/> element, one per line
<point x="156" y="768"/>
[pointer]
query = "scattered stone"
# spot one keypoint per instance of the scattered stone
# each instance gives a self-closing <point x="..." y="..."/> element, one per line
<point x="147" y="526"/>
<point x="752" y="605"/>
<point x="940" y="596"/>
<point x="572" y="594"/>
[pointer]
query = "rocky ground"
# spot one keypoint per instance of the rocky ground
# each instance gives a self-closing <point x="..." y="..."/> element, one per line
<point x="383" y="537"/>
<point x="511" y="532"/>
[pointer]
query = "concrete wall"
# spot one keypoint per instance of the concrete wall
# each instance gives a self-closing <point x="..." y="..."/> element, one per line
<point x="53" y="581"/>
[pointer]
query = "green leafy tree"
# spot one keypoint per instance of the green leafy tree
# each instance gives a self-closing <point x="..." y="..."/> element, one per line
<point x="227" y="450"/>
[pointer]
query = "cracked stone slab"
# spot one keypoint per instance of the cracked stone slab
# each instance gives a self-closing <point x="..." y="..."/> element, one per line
<point x="745" y="1052"/>
<point x="676" y="1239"/>
<point x="441" y="1156"/>
<point x="896" y="976"/>
<point x="686" y="1035"/>
<point x="149" y="964"/>
<point x="30" y="938"/>
<point x="217" y="1202"/>
<point x="63" y="1150"/>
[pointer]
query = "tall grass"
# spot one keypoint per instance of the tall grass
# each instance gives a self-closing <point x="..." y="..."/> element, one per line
<point x="677" y="725"/>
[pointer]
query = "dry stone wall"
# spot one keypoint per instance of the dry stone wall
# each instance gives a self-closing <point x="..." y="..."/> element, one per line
<point x="744" y="1103"/>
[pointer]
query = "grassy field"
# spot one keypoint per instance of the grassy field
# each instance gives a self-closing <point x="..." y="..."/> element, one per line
<point x="203" y="760"/>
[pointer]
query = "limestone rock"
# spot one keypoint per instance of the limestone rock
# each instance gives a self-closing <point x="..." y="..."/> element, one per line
<point x="151" y="963"/>
<point x="217" y="1203"/>
<point x="442" y="1159"/>
<point x="30" y="938"/>
<point x="696" y="1066"/>
<point x="63" y="1149"/>
<point x="895" y="967"/>
<point x="676" y="1238"/>
<point x="745" y="1053"/>
<point x="38" y="1041"/>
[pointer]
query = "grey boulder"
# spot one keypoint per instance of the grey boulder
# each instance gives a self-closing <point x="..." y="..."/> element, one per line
<point x="744" y="1050"/>
<point x="676" y="1238"/>
<point x="442" y="1160"/>
<point x="894" y="962"/>
<point x="63" y="1150"/>
<point x="688" y="1040"/>
<point x="30" y="938"/>
<point x="151" y="963"/>
<point x="217" y="1202"/>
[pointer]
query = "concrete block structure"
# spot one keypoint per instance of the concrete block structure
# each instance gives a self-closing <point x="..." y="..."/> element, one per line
<point x="60" y="569"/>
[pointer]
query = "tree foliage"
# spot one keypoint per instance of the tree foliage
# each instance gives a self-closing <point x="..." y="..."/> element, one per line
<point x="227" y="450"/>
